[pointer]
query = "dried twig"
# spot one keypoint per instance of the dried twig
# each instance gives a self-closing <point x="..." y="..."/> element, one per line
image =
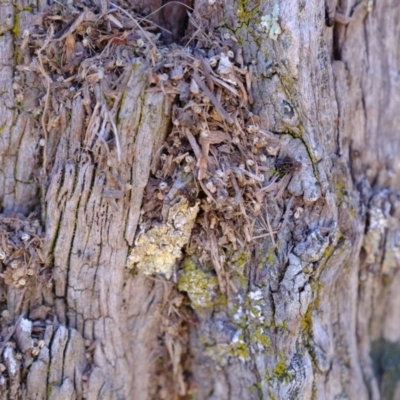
<point x="82" y="17"/>
<point x="49" y="81"/>
<point x="116" y="135"/>
<point x="221" y="110"/>
<point x="136" y="22"/>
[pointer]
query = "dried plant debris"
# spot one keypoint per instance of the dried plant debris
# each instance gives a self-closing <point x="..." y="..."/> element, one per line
<point x="22" y="277"/>
<point x="233" y="164"/>
<point x="20" y="250"/>
<point x="174" y="358"/>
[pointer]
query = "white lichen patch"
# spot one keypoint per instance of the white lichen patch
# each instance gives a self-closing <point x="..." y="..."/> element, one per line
<point x="256" y="295"/>
<point x="26" y="325"/>
<point x="269" y="23"/>
<point x="10" y="360"/>
<point x="156" y="251"/>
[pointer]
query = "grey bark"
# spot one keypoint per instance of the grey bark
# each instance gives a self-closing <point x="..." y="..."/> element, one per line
<point x="313" y="317"/>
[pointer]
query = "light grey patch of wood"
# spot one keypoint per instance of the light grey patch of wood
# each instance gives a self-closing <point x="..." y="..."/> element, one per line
<point x="300" y="384"/>
<point x="148" y="124"/>
<point x="23" y="335"/>
<point x="379" y="215"/>
<point x="313" y="248"/>
<point x="304" y="182"/>
<point x="60" y="376"/>
<point x="37" y="376"/>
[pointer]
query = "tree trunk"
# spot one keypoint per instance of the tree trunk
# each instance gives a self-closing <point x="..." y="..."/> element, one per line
<point x="218" y="221"/>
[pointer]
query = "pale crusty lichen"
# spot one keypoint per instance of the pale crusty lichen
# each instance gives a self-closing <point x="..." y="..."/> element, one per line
<point x="156" y="250"/>
<point x="270" y="23"/>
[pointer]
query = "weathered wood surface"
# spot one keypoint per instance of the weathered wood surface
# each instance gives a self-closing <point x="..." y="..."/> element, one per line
<point x="314" y="317"/>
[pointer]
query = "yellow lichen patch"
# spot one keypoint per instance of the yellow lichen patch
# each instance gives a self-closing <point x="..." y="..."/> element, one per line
<point x="261" y="338"/>
<point x="200" y="286"/>
<point x="281" y="371"/>
<point x="240" y="349"/>
<point x="157" y="250"/>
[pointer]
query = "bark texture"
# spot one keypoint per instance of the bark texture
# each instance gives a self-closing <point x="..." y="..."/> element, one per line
<point x="310" y="312"/>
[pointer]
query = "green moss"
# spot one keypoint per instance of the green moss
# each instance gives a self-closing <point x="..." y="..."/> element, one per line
<point x="242" y="259"/>
<point x="386" y="280"/>
<point x="281" y="371"/>
<point x="306" y="322"/>
<point x="290" y="88"/>
<point x="352" y="212"/>
<point x="282" y="326"/>
<point x="274" y="325"/>
<point x="237" y="267"/>
<point x="330" y="250"/>
<point x="245" y="14"/>
<point x="16" y="32"/>
<point x="16" y="29"/>
<point x="271" y="256"/>
<point x="220" y="300"/>
<point x="49" y="388"/>
<point x="262" y="263"/>
<point x="133" y="271"/>
<point x="251" y="306"/>
<point x="28" y="8"/>
<point x="340" y="190"/>
<point x="239" y="349"/>
<point x="189" y="264"/>
<point x="271" y="395"/>
<point x="201" y="287"/>
<point x="260" y="337"/>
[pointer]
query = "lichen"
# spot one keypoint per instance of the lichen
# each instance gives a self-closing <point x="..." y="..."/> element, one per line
<point x="242" y="259"/>
<point x="201" y="287"/>
<point x="271" y="256"/>
<point x="306" y="322"/>
<point x="237" y="267"/>
<point x="157" y="250"/>
<point x="281" y="371"/>
<point x="16" y="29"/>
<point x="239" y="349"/>
<point x="269" y="23"/>
<point x="340" y="191"/>
<point x="259" y="337"/>
<point x="245" y="15"/>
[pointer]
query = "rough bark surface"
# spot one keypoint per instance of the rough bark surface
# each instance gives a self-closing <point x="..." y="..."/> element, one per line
<point x="310" y="312"/>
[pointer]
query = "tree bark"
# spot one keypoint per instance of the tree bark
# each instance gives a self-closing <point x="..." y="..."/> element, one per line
<point x="134" y="270"/>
